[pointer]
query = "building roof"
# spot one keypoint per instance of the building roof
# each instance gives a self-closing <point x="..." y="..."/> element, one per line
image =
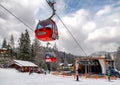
<point x="24" y="63"/>
<point x="2" y="50"/>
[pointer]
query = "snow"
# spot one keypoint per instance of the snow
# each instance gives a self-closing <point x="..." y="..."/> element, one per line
<point x="13" y="77"/>
<point x="24" y="63"/>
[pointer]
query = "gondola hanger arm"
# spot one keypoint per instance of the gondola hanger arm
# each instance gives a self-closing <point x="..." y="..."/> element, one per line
<point x="51" y="4"/>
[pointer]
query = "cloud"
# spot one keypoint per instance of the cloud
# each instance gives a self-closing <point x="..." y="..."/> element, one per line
<point x="93" y="30"/>
<point x="89" y="27"/>
<point x="104" y="11"/>
<point x="104" y="34"/>
<point x="25" y="10"/>
<point x="74" y="22"/>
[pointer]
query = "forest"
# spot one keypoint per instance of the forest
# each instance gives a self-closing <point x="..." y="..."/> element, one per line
<point x="32" y="51"/>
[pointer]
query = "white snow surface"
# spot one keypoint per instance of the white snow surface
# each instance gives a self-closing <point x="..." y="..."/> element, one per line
<point x="13" y="77"/>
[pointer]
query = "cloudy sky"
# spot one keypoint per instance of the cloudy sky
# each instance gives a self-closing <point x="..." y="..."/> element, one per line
<point x="95" y="24"/>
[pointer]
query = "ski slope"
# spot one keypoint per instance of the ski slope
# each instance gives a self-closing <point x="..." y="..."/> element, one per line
<point x="13" y="77"/>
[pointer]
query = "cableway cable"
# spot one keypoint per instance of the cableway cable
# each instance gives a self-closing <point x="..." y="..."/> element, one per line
<point x="17" y="17"/>
<point x="72" y="35"/>
<point x="33" y="30"/>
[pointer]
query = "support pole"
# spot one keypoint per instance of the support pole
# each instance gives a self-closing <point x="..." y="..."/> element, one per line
<point x="77" y="66"/>
<point x="47" y="63"/>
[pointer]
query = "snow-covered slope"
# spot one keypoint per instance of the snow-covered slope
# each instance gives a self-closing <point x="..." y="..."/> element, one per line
<point x="13" y="77"/>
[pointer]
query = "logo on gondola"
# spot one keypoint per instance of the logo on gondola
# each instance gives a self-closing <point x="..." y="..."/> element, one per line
<point x="41" y="33"/>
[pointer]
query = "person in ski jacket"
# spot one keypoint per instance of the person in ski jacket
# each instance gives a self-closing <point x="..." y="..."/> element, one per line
<point x="30" y="70"/>
<point x="109" y="75"/>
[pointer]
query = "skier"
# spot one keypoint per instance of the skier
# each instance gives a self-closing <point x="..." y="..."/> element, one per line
<point x="30" y="71"/>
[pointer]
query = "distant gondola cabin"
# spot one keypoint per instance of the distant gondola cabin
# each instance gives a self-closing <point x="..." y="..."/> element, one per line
<point x="50" y="57"/>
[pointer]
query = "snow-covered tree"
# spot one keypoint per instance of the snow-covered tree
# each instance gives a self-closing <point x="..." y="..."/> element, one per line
<point x="11" y="47"/>
<point x="24" y="46"/>
<point x="37" y="53"/>
<point x="35" y="49"/>
<point x="4" y="44"/>
<point x="117" y="59"/>
<point x="12" y="41"/>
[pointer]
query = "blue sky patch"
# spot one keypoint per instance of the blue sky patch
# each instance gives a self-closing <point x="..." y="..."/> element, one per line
<point x="92" y="5"/>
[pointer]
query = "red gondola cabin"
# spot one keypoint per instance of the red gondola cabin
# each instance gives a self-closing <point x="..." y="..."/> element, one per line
<point x="46" y="30"/>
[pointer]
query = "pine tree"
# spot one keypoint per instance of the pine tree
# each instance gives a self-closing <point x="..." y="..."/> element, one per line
<point x="37" y="53"/>
<point x="55" y="64"/>
<point x="21" y="47"/>
<point x="24" y="46"/>
<point x="35" y="49"/>
<point x="11" y="47"/>
<point x="32" y="53"/>
<point x="27" y="45"/>
<point x="12" y="42"/>
<point x="4" y="45"/>
<point x="117" y="59"/>
<point x="9" y="51"/>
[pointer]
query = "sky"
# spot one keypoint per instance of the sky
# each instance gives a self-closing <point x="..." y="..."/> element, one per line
<point x="95" y="24"/>
<point x="13" y="77"/>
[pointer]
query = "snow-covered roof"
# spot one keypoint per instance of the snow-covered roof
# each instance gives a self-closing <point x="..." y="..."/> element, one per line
<point x="24" y="63"/>
<point x="70" y="64"/>
<point x="61" y="64"/>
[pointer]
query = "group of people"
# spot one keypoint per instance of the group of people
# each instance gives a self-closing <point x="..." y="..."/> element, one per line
<point x="108" y="74"/>
<point x="31" y="70"/>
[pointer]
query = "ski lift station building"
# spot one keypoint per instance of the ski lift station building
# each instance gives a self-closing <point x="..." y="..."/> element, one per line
<point x="97" y="65"/>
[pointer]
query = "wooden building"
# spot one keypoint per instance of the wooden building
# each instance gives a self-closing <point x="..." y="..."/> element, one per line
<point x="23" y="66"/>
